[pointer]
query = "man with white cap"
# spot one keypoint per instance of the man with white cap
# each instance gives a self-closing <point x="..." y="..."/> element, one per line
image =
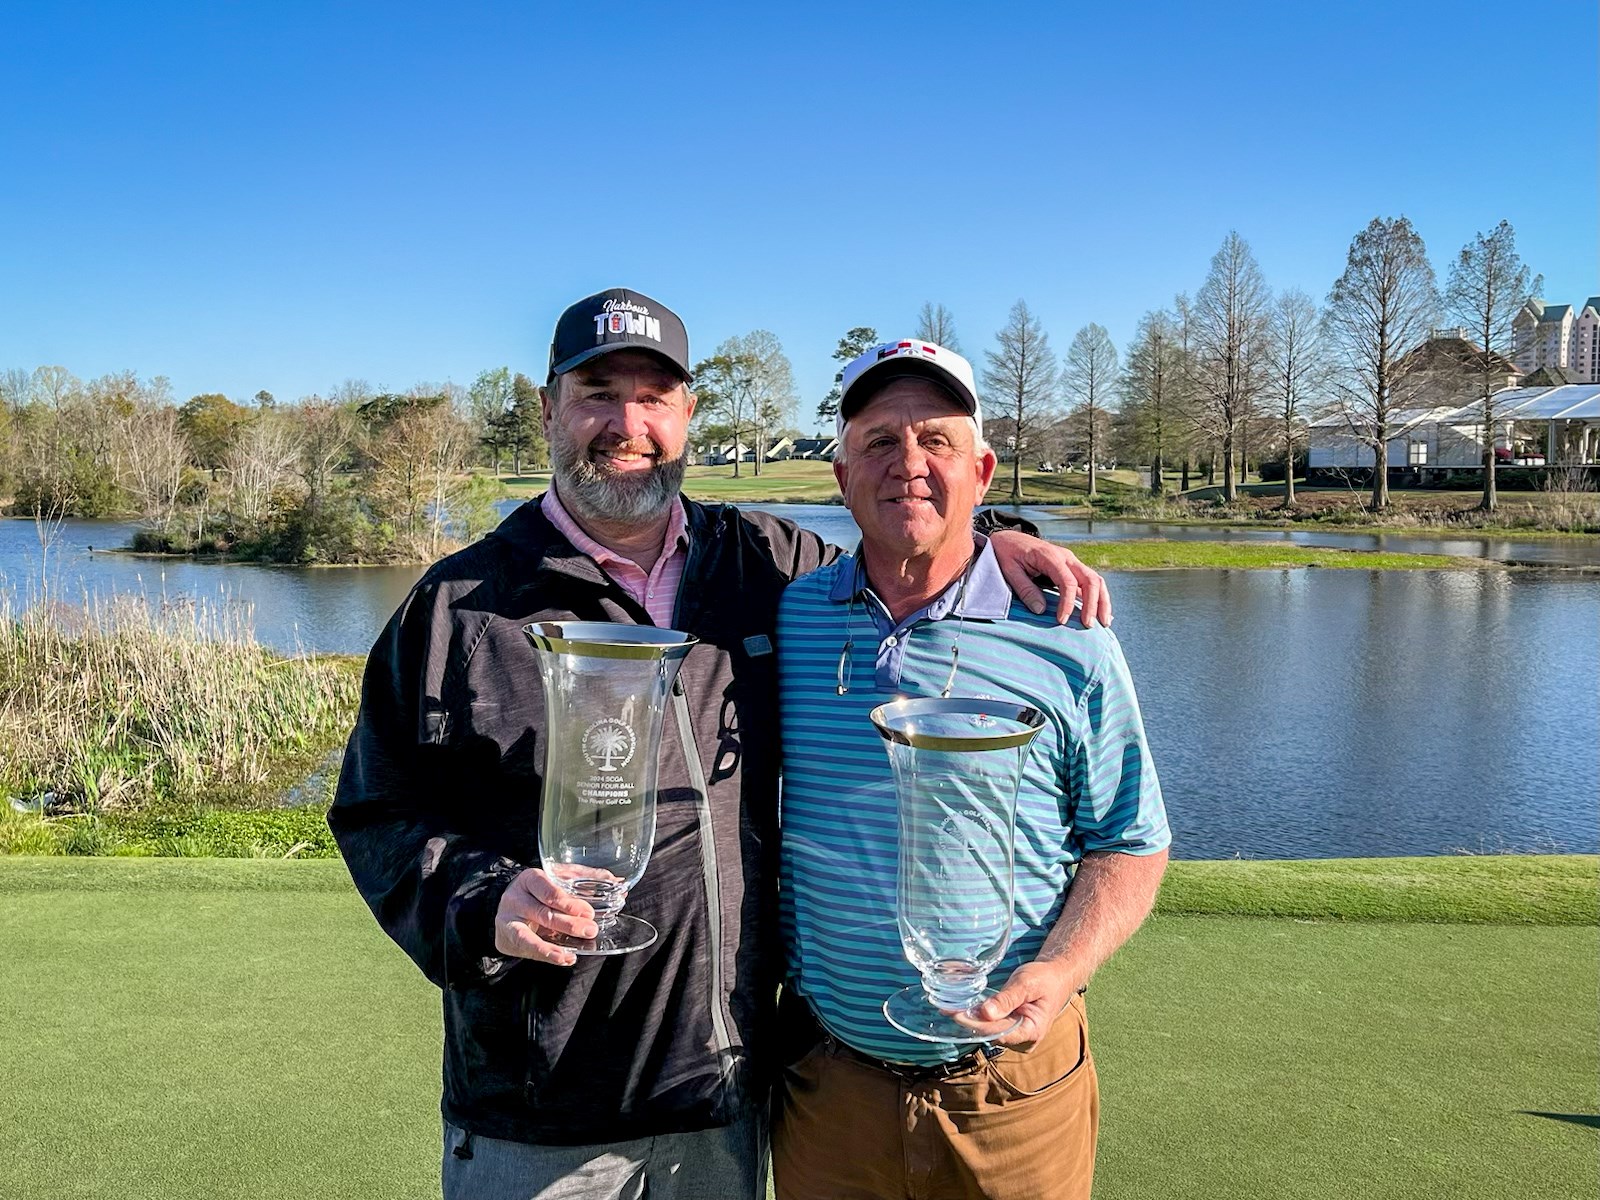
<point x="921" y="610"/>
<point x="647" y="1073"/>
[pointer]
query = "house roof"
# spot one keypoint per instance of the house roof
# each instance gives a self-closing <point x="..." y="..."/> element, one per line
<point x="1400" y="419"/>
<point x="1554" y="313"/>
<point x="1549" y="375"/>
<point x="1592" y="304"/>
<point x="1457" y="352"/>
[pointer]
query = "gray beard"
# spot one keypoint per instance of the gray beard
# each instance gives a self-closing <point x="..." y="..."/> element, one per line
<point x="593" y="493"/>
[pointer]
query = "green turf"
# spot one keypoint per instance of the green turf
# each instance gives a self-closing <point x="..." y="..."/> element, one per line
<point x="1246" y="1058"/>
<point x="1497" y="889"/>
<point x="195" y="1028"/>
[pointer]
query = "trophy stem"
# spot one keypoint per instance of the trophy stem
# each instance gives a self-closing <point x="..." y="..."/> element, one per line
<point x="955" y="984"/>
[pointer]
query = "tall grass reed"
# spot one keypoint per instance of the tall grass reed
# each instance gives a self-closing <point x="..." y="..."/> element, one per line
<point x="128" y="704"/>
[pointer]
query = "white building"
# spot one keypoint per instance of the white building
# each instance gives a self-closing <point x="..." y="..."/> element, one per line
<point x="1586" y="348"/>
<point x="1553" y="335"/>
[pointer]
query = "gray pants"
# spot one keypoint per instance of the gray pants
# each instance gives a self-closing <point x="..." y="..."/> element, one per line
<point x="713" y="1164"/>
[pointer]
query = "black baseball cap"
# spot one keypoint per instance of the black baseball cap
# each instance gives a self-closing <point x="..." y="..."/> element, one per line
<point x="618" y="319"/>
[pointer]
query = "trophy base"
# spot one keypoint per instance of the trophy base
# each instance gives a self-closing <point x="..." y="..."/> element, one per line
<point x="623" y="935"/>
<point x="910" y="1011"/>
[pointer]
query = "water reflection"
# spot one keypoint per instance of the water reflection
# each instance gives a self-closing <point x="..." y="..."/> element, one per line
<point x="1293" y="713"/>
<point x="1375" y="712"/>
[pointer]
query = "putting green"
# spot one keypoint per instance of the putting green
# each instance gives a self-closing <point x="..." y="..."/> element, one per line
<point x="204" y="1029"/>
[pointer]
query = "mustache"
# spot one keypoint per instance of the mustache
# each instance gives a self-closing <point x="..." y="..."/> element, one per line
<point x="644" y="445"/>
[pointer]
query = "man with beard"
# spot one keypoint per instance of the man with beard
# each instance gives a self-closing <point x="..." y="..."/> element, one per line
<point x="646" y="1073"/>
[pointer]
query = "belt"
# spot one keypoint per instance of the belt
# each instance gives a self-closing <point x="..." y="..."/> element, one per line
<point x="913" y="1072"/>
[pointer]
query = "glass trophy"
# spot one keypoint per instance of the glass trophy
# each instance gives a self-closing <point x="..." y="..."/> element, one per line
<point x="606" y="687"/>
<point x="957" y="766"/>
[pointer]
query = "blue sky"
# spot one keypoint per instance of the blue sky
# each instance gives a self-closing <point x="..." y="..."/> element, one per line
<point x="281" y="196"/>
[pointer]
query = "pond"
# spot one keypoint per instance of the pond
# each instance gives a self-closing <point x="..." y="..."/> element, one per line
<point x="1293" y="713"/>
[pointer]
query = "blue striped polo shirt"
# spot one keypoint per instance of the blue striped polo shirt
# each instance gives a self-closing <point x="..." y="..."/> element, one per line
<point x="1088" y="782"/>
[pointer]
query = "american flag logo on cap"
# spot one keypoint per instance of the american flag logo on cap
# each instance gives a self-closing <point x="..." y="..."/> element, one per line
<point x="920" y="349"/>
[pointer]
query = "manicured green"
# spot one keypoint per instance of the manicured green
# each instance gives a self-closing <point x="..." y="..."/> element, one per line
<point x="216" y="1028"/>
<point x="1496" y="889"/>
<point x="1155" y="554"/>
<point x="1255" y="1059"/>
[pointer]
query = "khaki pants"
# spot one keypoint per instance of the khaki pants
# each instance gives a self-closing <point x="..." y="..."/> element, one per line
<point x="1013" y="1127"/>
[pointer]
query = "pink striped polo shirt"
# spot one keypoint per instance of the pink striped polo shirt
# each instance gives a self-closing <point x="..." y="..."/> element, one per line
<point x="657" y="591"/>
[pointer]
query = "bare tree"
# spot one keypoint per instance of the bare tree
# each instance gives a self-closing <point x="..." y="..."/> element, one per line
<point x="1089" y="376"/>
<point x="264" y="458"/>
<point x="773" y="395"/>
<point x="1191" y="424"/>
<point x="1023" y="380"/>
<point x="1378" y="310"/>
<point x="1298" y="372"/>
<point x="417" y="448"/>
<point x="16" y="386"/>
<point x="327" y="437"/>
<point x="1152" y="390"/>
<point x="936" y="324"/>
<point x="151" y="455"/>
<point x="1228" y="324"/>
<point x="1489" y="283"/>
<point x="352" y="393"/>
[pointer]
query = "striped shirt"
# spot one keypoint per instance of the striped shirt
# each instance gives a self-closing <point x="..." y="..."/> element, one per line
<point x="1088" y="782"/>
<point x="655" y="590"/>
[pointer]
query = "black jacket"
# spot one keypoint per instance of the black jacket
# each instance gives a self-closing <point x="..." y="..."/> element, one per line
<point x="438" y="809"/>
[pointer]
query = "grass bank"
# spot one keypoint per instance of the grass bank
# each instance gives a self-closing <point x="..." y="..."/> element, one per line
<point x="128" y="709"/>
<point x="1156" y="554"/>
<point x="241" y="1029"/>
<point x="1424" y="510"/>
<point x="812" y="482"/>
<point x="1121" y="495"/>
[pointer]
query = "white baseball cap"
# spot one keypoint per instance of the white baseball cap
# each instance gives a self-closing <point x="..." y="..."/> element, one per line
<point x="915" y="358"/>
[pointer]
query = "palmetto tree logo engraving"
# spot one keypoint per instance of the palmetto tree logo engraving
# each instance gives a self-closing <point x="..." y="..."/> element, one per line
<point x="608" y="744"/>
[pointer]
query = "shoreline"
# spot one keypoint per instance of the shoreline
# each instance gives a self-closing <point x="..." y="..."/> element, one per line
<point x="1123" y="554"/>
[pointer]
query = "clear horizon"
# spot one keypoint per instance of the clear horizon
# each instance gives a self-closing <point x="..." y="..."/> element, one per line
<point x="280" y="198"/>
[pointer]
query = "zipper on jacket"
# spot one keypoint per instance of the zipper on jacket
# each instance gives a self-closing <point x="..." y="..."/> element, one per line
<point x="708" y="862"/>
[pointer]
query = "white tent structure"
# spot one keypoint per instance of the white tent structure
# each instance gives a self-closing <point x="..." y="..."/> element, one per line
<point x="1560" y="425"/>
<point x="1415" y="439"/>
<point x="1563" y="421"/>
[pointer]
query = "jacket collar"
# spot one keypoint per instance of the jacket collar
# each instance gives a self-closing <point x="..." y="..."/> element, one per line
<point x="533" y="534"/>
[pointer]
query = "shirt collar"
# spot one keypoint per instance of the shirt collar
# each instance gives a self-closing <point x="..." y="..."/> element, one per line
<point x="677" y="535"/>
<point x="987" y="597"/>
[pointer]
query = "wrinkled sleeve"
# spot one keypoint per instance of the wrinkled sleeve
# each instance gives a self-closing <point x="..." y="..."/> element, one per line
<point x="797" y="551"/>
<point x="1115" y="795"/>
<point x="994" y="520"/>
<point x="433" y="888"/>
